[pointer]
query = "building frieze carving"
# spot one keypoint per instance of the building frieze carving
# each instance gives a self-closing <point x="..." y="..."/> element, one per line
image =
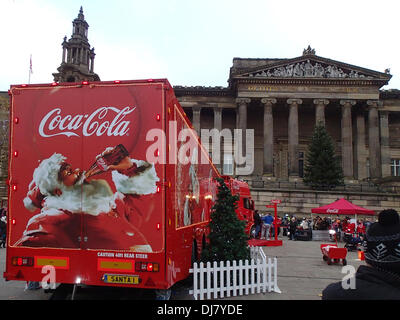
<point x="307" y="69"/>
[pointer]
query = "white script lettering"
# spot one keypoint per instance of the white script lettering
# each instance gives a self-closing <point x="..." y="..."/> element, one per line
<point x="55" y="124"/>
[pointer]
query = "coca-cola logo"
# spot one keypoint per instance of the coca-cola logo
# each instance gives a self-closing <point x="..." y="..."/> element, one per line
<point x="332" y="211"/>
<point x="107" y="121"/>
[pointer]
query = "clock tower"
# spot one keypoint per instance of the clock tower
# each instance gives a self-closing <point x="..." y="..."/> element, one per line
<point x="77" y="62"/>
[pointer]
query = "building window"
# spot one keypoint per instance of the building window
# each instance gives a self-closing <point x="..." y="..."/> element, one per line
<point x="395" y="167"/>
<point x="228" y="164"/>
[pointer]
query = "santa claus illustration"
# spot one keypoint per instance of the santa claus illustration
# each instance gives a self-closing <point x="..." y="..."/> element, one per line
<point x="71" y="205"/>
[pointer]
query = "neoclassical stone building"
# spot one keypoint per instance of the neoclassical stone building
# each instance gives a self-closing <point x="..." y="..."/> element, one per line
<point x="283" y="99"/>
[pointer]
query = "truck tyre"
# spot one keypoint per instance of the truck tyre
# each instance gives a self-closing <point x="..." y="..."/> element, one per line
<point x="163" y="294"/>
<point x="203" y="246"/>
<point x="194" y="253"/>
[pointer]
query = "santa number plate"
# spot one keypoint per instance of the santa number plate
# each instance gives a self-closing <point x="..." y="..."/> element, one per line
<point x="121" y="279"/>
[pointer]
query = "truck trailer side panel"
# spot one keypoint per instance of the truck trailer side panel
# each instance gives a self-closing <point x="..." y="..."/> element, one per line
<point x="191" y="178"/>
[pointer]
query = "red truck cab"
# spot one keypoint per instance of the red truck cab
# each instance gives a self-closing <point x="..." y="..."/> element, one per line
<point x="245" y="210"/>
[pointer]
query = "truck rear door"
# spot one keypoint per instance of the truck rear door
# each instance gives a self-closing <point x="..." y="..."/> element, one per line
<point x="42" y="138"/>
<point x="71" y="126"/>
<point x="131" y="214"/>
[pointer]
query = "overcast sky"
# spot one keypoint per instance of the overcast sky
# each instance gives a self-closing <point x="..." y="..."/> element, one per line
<point x="193" y="42"/>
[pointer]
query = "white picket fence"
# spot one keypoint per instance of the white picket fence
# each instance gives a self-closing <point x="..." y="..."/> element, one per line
<point x="225" y="279"/>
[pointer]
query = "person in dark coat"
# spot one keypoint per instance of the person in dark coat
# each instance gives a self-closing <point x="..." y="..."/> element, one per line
<point x="257" y="223"/>
<point x="379" y="279"/>
<point x="3" y="231"/>
<point x="292" y="228"/>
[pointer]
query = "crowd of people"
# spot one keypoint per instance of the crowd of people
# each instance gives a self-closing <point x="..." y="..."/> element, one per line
<point x="379" y="277"/>
<point x="290" y="225"/>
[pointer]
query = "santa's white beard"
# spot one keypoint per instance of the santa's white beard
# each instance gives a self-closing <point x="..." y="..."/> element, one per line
<point x="92" y="198"/>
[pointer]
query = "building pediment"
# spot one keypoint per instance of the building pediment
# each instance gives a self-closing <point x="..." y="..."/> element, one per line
<point x="311" y="66"/>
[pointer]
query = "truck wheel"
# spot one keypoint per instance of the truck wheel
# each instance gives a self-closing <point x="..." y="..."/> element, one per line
<point x="203" y="246"/>
<point x="194" y="253"/>
<point x="344" y="262"/>
<point x="163" y="294"/>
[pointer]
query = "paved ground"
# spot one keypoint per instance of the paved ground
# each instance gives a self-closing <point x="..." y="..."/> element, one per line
<point x="302" y="275"/>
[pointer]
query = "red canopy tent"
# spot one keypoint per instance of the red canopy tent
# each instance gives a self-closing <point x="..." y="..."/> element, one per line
<point x="342" y="206"/>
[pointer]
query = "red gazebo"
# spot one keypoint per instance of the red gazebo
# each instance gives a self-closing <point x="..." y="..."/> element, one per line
<point x="342" y="206"/>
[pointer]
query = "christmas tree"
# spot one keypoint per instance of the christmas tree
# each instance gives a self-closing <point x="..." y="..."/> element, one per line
<point x="228" y="240"/>
<point x="322" y="170"/>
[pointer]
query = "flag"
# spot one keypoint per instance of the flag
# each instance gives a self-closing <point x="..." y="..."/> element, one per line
<point x="30" y="65"/>
<point x="30" y="69"/>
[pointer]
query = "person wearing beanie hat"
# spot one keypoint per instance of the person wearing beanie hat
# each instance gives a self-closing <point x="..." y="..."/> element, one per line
<point x="379" y="279"/>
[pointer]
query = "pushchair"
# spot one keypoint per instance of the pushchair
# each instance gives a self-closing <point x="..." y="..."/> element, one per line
<point x="352" y="241"/>
<point x="303" y="234"/>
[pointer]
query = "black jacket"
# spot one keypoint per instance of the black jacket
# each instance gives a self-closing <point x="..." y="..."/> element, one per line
<point x="3" y="227"/>
<point x="257" y="219"/>
<point x="371" y="284"/>
<point x="292" y="226"/>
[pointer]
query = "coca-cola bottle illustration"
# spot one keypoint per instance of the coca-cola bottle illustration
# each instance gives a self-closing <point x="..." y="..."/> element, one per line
<point x="112" y="157"/>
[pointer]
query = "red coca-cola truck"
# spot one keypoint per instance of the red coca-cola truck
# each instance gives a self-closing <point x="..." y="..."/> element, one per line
<point x="108" y="185"/>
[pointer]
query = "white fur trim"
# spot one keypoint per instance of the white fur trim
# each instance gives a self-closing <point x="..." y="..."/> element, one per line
<point x="28" y="203"/>
<point x="45" y="175"/>
<point x="91" y="198"/>
<point x="141" y="184"/>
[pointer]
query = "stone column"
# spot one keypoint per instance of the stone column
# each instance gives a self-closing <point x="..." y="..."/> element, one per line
<point x="360" y="161"/>
<point x="217" y="118"/>
<point x="91" y="64"/>
<point x="64" y="52"/>
<point x="92" y="55"/>
<point x="320" y="111"/>
<point x="293" y="136"/>
<point x="218" y="126"/>
<point x="385" y="148"/>
<point x="242" y="112"/>
<point x="347" y="139"/>
<point x="196" y="119"/>
<point x="374" y="146"/>
<point x="268" y="162"/>
<point x="242" y="122"/>
<point x="69" y="55"/>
